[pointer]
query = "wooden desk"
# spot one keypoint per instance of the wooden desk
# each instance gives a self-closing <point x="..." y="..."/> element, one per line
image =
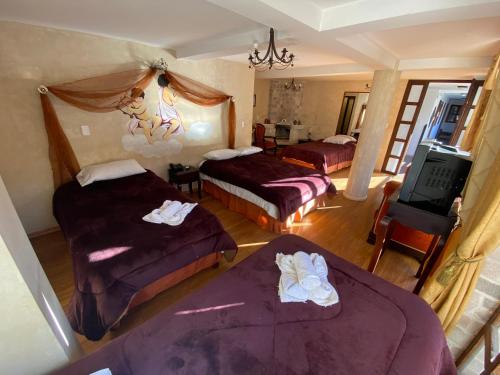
<point x="438" y="225"/>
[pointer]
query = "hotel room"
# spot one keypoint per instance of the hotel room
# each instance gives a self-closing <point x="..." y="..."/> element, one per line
<point x="250" y="187"/>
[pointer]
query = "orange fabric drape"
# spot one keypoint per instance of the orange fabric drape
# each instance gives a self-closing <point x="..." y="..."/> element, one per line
<point x="108" y="93"/>
<point x="103" y="93"/>
<point x="62" y="158"/>
<point x="201" y="94"/>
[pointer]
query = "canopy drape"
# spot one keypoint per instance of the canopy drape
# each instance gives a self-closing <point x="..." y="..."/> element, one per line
<point x="449" y="289"/>
<point x="108" y="93"/>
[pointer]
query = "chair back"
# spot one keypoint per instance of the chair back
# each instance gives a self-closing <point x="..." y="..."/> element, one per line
<point x="260" y="132"/>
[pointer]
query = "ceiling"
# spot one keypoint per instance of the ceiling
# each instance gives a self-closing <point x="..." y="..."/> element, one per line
<point x="332" y="39"/>
<point x="160" y="23"/>
<point x="476" y="37"/>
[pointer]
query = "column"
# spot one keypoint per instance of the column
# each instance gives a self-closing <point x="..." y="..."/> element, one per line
<point x="380" y="101"/>
<point x="35" y="334"/>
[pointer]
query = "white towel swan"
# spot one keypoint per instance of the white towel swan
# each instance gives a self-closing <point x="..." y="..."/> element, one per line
<point x="313" y="270"/>
<point x="171" y="213"/>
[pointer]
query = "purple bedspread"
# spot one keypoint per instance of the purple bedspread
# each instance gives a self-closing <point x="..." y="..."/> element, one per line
<point x="322" y="155"/>
<point x="237" y="325"/>
<point x="115" y="253"/>
<point x="285" y="185"/>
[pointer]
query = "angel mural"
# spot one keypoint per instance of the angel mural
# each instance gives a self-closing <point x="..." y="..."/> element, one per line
<point x="139" y="115"/>
<point x="171" y="118"/>
<point x="167" y="117"/>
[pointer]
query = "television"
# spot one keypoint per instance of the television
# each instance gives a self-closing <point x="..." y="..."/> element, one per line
<point x="436" y="177"/>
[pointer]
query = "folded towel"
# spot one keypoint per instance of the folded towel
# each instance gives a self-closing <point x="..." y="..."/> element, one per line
<point x="170" y="208"/>
<point x="289" y="288"/>
<point x="171" y="213"/>
<point x="306" y="273"/>
<point x="180" y="215"/>
<point x="325" y="294"/>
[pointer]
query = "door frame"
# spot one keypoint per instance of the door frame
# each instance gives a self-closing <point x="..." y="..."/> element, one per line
<point x="466" y="108"/>
<point x="418" y="104"/>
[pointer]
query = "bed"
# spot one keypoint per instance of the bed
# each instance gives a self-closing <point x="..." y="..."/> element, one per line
<point x="237" y="325"/>
<point x="119" y="260"/>
<point x="268" y="191"/>
<point x="323" y="156"/>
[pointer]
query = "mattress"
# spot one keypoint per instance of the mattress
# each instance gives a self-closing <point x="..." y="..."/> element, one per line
<point x="284" y="185"/>
<point x="236" y="324"/>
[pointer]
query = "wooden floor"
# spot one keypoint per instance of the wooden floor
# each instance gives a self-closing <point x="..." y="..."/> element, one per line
<point x="341" y="227"/>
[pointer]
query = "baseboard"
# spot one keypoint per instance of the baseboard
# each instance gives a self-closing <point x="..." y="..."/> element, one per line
<point x="43" y="232"/>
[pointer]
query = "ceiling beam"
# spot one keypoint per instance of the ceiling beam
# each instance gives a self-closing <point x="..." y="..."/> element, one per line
<point x="273" y="14"/>
<point x="374" y="15"/>
<point x="315" y="71"/>
<point x="229" y="45"/>
<point x="446" y="63"/>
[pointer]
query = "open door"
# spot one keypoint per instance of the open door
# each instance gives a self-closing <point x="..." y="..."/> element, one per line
<point x="405" y="122"/>
<point x="466" y="112"/>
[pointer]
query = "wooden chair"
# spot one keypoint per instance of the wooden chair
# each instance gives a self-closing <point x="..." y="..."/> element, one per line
<point x="260" y="139"/>
<point x="405" y="238"/>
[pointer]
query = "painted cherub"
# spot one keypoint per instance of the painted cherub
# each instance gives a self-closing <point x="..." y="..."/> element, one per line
<point x="171" y="119"/>
<point x="139" y="116"/>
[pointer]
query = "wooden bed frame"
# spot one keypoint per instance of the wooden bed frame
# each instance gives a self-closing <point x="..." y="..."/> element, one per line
<point x="330" y="169"/>
<point x="152" y="290"/>
<point x="258" y="214"/>
<point x="168" y="281"/>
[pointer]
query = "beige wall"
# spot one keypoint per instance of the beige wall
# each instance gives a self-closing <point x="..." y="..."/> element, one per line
<point x="30" y="56"/>
<point x="321" y="104"/>
<point x="262" y="88"/>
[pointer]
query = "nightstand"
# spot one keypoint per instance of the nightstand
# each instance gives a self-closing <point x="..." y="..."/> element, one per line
<point x="186" y="176"/>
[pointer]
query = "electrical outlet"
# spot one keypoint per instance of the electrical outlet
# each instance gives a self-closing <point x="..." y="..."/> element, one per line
<point x="85" y="130"/>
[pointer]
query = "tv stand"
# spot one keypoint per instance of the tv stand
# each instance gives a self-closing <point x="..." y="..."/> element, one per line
<point x="440" y="226"/>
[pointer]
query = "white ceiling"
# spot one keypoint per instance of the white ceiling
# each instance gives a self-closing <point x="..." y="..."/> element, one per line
<point x="338" y="39"/>
<point x="476" y="37"/>
<point x="323" y="4"/>
<point x="156" y="22"/>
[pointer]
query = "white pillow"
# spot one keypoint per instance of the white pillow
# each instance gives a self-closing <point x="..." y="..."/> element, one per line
<point x="222" y="154"/>
<point x="108" y="171"/>
<point x="249" y="150"/>
<point x="340" y="139"/>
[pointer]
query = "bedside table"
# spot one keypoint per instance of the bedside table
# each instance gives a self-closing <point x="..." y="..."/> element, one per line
<point x="186" y="176"/>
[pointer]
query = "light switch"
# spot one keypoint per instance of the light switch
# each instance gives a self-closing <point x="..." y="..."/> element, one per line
<point x="85" y="130"/>
<point x="243" y="124"/>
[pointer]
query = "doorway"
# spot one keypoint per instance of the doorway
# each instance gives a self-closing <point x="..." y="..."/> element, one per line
<point x="345" y="114"/>
<point x="430" y="110"/>
<point x="352" y="112"/>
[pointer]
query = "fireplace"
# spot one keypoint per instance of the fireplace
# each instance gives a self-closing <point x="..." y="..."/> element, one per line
<point x="282" y="131"/>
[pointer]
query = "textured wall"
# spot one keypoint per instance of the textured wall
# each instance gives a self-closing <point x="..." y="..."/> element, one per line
<point x="262" y="89"/>
<point x="30" y="56"/>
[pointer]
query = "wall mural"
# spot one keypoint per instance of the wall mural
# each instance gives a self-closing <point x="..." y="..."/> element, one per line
<point x="156" y="125"/>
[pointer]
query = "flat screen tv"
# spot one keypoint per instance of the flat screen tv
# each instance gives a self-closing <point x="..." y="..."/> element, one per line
<point x="436" y="177"/>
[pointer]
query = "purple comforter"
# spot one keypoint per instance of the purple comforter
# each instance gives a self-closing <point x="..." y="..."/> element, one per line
<point x="322" y="155"/>
<point x="285" y="185"/>
<point x="115" y="253"/>
<point x="237" y="325"/>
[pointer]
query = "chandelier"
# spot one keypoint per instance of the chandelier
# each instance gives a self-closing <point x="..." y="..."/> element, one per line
<point x="271" y="59"/>
<point x="292" y="85"/>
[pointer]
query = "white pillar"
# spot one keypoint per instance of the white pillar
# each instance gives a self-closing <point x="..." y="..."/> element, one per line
<point x="35" y="336"/>
<point x="378" y="108"/>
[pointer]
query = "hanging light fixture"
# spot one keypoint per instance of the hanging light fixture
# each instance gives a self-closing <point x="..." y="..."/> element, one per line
<point x="292" y="85"/>
<point x="271" y="59"/>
